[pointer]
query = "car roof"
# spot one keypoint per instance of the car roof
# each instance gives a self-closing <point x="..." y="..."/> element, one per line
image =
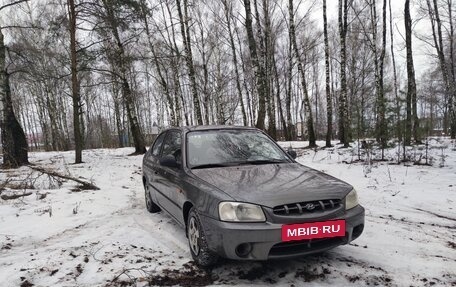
<point x="211" y="127"/>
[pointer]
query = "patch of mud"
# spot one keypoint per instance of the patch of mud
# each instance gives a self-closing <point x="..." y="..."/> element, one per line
<point x="189" y="275"/>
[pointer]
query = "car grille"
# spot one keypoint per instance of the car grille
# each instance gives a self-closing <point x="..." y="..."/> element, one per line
<point x="307" y="207"/>
<point x="304" y="246"/>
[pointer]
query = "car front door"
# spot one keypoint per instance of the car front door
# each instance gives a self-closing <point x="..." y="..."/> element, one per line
<point x="152" y="164"/>
<point x="169" y="179"/>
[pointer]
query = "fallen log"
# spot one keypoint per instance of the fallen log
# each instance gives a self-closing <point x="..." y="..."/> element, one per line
<point x="14" y="196"/>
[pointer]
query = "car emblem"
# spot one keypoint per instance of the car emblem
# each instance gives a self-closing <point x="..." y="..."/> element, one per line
<point x="309" y="206"/>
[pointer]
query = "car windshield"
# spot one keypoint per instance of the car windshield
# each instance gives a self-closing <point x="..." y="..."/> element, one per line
<point x="217" y="148"/>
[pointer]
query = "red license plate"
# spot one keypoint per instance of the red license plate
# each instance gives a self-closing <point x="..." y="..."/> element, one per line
<point x="325" y="229"/>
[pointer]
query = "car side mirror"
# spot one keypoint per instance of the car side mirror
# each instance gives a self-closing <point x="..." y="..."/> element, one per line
<point x="169" y="161"/>
<point x="292" y="153"/>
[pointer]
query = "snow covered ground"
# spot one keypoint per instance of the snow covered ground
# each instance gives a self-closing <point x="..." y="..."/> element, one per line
<point x="63" y="236"/>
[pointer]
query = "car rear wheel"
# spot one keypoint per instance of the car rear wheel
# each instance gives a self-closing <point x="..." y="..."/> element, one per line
<point x="150" y="205"/>
<point x="199" y="249"/>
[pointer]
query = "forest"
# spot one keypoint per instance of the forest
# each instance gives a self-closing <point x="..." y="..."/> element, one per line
<point x="84" y="74"/>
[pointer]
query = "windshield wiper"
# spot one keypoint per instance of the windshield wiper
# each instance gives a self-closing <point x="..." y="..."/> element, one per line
<point x="209" y="165"/>
<point x="263" y="161"/>
<point x="235" y="163"/>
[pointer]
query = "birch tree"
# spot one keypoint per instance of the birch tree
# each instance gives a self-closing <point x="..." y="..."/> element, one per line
<point x="329" y="111"/>
<point x="185" y="31"/>
<point x="297" y="54"/>
<point x="344" y="121"/>
<point x="259" y="72"/>
<point x="449" y="80"/>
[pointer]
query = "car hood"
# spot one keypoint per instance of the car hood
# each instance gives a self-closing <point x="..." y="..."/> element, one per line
<point x="274" y="184"/>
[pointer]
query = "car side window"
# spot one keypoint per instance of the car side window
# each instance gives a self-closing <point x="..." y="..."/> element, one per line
<point x="158" y="144"/>
<point x="172" y="145"/>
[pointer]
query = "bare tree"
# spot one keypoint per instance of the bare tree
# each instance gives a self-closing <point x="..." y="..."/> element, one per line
<point x="258" y="68"/>
<point x="344" y="121"/>
<point x="381" y="123"/>
<point x="452" y="101"/>
<point x="158" y="67"/>
<point x="449" y="82"/>
<point x="395" y="81"/>
<point x="329" y="111"/>
<point x="122" y="64"/>
<point x="185" y="30"/>
<point x="75" y="83"/>
<point x="14" y="142"/>
<point x="228" y="14"/>
<point x="306" y="101"/>
<point x="411" y="84"/>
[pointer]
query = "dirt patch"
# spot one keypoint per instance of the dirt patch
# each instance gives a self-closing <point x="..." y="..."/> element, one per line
<point x="189" y="275"/>
<point x="26" y="283"/>
<point x="7" y="246"/>
<point x="252" y="274"/>
<point x="182" y="278"/>
<point x="309" y="276"/>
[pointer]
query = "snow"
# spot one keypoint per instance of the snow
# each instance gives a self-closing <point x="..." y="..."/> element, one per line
<point x="107" y="238"/>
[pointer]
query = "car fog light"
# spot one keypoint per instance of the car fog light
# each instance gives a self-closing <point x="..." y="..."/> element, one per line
<point x="242" y="250"/>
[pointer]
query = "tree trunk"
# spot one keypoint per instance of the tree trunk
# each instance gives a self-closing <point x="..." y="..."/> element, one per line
<point x="14" y="142"/>
<point x="382" y="125"/>
<point x="329" y="110"/>
<point x="411" y="85"/>
<point x="306" y="100"/>
<point x="344" y="123"/>
<point x="258" y="69"/>
<point x="267" y="51"/>
<point x="162" y="81"/>
<point x="396" y="94"/>
<point x="279" y="102"/>
<point x="75" y="83"/>
<point x="185" y="31"/>
<point x="249" y="98"/>
<point x="122" y="65"/>
<point x="452" y="100"/>
<point x="290" y="135"/>
<point x="228" y="14"/>
<point x="450" y="88"/>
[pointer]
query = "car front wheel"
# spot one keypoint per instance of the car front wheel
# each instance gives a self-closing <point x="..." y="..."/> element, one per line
<point x="199" y="249"/>
<point x="150" y="205"/>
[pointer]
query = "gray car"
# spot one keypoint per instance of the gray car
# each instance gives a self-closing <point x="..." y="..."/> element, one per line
<point x="239" y="195"/>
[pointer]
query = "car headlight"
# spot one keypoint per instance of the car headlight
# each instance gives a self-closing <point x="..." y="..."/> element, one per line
<point x="240" y="212"/>
<point x="351" y="200"/>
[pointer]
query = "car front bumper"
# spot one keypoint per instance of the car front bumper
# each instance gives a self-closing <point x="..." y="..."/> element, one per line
<point x="263" y="241"/>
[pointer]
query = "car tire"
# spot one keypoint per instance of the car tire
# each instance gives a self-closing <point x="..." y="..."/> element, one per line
<point x="199" y="248"/>
<point x="150" y="204"/>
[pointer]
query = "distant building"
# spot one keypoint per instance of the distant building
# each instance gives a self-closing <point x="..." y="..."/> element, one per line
<point x="300" y="129"/>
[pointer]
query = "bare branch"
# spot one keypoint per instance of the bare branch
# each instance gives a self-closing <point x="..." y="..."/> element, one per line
<point x="21" y="27"/>
<point x="12" y="3"/>
<point x="84" y="184"/>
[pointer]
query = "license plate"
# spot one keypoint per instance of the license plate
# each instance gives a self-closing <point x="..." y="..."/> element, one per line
<point x="324" y="229"/>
